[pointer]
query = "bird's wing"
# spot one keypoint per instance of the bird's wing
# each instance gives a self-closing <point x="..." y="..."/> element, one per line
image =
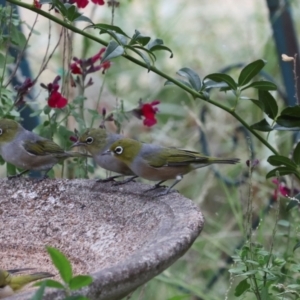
<point x="42" y="147"/>
<point x="184" y="157"/>
<point x="172" y="157"/>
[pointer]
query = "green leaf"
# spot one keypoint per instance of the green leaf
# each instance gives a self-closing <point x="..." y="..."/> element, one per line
<point x="17" y="37"/>
<point x="80" y="281"/>
<point x="278" y="160"/>
<point x="250" y="71"/>
<point x="262" y="125"/>
<point x="255" y="101"/>
<point x="237" y="270"/>
<point x="72" y="12"/>
<point x="296" y="154"/>
<point x="282" y="171"/>
<point x="139" y="38"/>
<point x="180" y="297"/>
<point x="293" y="286"/>
<point x="82" y="18"/>
<point x="282" y="128"/>
<point x="296" y="246"/>
<point x="270" y="105"/>
<point x="51" y="283"/>
<point x="120" y="38"/>
<point x="158" y="44"/>
<point x="113" y="50"/>
<point x="284" y="223"/>
<point x="210" y="84"/>
<point x="192" y="77"/>
<point x="241" y="288"/>
<point x="181" y="81"/>
<point x="294" y="202"/>
<point x="60" y="6"/>
<point x="40" y="292"/>
<point x="105" y="27"/>
<point x="61" y="263"/>
<point x="250" y="272"/>
<point x="220" y="77"/>
<point x="262" y="85"/>
<point x="142" y="55"/>
<point x="289" y="117"/>
<point x="151" y="54"/>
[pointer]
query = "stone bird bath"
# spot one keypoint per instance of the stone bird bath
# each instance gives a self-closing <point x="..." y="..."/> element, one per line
<point x="120" y="235"/>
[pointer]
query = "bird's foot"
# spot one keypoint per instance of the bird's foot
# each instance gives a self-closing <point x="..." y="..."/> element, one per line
<point x="166" y="192"/>
<point x="14" y="176"/>
<point x="41" y="178"/>
<point x="109" y="179"/>
<point x="155" y="187"/>
<point x="124" y="181"/>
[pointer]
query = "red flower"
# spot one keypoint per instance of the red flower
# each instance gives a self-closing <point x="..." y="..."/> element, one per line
<point x="37" y="4"/>
<point x="81" y="3"/>
<point x="105" y="65"/>
<point x="99" y="2"/>
<point x="75" y="69"/>
<point x="86" y="66"/>
<point x="56" y="100"/>
<point x="73" y="138"/>
<point x="147" y="111"/>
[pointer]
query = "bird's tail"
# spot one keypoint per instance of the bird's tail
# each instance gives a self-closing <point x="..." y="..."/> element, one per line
<point x="225" y="160"/>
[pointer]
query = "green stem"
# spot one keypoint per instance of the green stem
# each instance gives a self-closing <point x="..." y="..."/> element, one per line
<point x="194" y="93"/>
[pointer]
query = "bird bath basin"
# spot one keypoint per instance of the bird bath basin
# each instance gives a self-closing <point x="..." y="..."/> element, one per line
<point x="120" y="235"/>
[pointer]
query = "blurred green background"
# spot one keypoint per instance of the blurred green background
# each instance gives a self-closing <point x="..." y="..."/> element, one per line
<point x="206" y="36"/>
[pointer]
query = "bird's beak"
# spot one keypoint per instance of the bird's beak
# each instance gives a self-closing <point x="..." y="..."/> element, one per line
<point x="107" y="152"/>
<point x="76" y="144"/>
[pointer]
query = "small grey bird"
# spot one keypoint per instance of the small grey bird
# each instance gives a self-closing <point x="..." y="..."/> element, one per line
<point x="97" y="141"/>
<point x="157" y="163"/>
<point x="29" y="151"/>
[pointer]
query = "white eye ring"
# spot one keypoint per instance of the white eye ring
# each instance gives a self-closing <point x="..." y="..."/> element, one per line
<point x="1" y="131"/>
<point x="119" y="150"/>
<point x="89" y="140"/>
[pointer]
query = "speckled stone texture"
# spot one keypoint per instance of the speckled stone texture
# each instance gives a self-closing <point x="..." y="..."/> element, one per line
<point x="119" y="234"/>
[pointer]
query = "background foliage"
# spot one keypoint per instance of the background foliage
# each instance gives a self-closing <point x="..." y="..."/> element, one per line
<point x="206" y="39"/>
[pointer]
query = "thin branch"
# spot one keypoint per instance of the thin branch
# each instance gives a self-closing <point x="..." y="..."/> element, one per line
<point x="47" y="49"/>
<point x="43" y="67"/>
<point x="19" y="58"/>
<point x="194" y="93"/>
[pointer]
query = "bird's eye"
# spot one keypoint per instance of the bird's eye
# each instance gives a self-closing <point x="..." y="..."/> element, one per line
<point x="118" y="150"/>
<point x="1" y="131"/>
<point x="89" y="140"/>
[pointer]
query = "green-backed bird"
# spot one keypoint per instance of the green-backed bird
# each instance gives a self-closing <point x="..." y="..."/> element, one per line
<point x="29" y="151"/>
<point x="157" y="163"/>
<point x="10" y="283"/>
<point x="97" y="141"/>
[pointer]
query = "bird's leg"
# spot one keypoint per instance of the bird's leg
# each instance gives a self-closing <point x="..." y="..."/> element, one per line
<point x="178" y="179"/>
<point x="156" y="186"/>
<point x="112" y="178"/>
<point x="18" y="175"/>
<point x="126" y="180"/>
<point x="44" y="176"/>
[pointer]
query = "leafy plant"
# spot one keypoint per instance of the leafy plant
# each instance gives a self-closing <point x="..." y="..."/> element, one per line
<point x="70" y="282"/>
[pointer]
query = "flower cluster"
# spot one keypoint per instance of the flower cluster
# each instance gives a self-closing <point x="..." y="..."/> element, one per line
<point x="23" y="90"/>
<point x="84" y="3"/>
<point x="37" y="4"/>
<point x="283" y="190"/>
<point x="86" y="66"/>
<point x="147" y="111"/>
<point x="55" y="99"/>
